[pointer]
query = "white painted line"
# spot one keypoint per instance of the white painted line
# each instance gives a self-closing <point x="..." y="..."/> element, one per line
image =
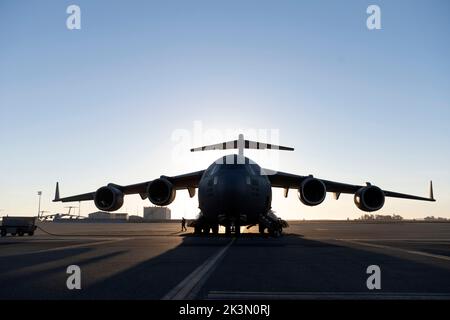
<point x="379" y="246"/>
<point x="231" y="295"/>
<point x="37" y="239"/>
<point x="81" y="245"/>
<point x="437" y="240"/>
<point x="187" y="288"/>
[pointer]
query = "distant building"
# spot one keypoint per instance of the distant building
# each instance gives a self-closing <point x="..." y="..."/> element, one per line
<point x="156" y="213"/>
<point x="99" y="215"/>
<point x="433" y="218"/>
<point x="119" y="216"/>
<point x="367" y="217"/>
<point x="135" y="218"/>
<point x="113" y="216"/>
<point x="380" y="217"/>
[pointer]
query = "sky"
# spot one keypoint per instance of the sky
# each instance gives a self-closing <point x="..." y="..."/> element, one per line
<point x="123" y="98"/>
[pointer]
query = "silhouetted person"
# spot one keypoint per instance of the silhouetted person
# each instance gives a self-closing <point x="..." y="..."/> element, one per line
<point x="183" y="224"/>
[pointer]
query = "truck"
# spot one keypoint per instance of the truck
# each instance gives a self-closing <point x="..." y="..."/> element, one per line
<point x="18" y="226"/>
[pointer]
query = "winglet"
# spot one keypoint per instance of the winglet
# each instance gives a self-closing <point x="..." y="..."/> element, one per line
<point x="431" y="191"/>
<point x="56" y="193"/>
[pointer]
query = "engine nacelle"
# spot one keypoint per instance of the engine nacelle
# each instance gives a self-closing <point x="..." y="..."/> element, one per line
<point x="312" y="191"/>
<point x="370" y="198"/>
<point x="108" y="198"/>
<point x="161" y="192"/>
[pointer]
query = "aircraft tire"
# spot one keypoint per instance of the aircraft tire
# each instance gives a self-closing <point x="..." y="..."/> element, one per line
<point x="275" y="232"/>
<point x="261" y="229"/>
<point x="197" y="230"/>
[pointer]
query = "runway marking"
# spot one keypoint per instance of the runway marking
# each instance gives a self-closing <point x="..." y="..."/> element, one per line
<point x="243" y="295"/>
<point x="379" y="246"/>
<point x="73" y="246"/>
<point x="189" y="287"/>
<point x="53" y="240"/>
<point x="436" y="240"/>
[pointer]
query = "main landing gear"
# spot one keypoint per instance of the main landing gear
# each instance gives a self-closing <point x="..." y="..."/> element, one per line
<point x="268" y="221"/>
<point x="272" y="223"/>
<point x="201" y="227"/>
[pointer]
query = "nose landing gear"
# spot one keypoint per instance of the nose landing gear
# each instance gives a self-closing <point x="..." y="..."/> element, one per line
<point x="233" y="228"/>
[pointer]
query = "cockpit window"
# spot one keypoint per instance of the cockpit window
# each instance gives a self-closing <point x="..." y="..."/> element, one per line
<point x="212" y="169"/>
<point x="230" y="166"/>
<point x="253" y="169"/>
<point x="215" y="169"/>
<point x="231" y="163"/>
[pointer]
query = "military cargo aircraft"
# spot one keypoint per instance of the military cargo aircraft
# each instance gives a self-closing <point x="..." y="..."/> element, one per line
<point x="234" y="191"/>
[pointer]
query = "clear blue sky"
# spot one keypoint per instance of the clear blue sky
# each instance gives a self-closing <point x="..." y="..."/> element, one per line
<point x="97" y="105"/>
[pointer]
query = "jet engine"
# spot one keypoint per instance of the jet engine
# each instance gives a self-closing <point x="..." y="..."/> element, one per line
<point x="108" y="198"/>
<point x="370" y="198"/>
<point x="161" y="192"/>
<point x="312" y="191"/>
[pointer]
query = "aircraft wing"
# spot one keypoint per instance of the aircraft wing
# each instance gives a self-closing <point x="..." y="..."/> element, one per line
<point x="188" y="181"/>
<point x="288" y="181"/>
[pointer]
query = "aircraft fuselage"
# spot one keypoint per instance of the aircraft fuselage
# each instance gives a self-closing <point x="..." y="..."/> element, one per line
<point x="233" y="192"/>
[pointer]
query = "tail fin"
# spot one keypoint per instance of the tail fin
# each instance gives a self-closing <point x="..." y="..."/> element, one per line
<point x="241" y="144"/>
<point x="56" y="193"/>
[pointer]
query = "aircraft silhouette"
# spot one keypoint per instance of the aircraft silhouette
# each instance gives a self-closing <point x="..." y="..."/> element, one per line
<point x="234" y="191"/>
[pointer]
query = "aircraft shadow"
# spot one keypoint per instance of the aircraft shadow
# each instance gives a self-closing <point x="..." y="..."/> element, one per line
<point x="254" y="263"/>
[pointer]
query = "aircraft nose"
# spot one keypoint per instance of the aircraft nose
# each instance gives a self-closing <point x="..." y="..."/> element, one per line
<point x="232" y="189"/>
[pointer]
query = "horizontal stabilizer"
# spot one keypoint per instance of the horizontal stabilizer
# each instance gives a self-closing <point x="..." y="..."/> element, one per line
<point x="241" y="144"/>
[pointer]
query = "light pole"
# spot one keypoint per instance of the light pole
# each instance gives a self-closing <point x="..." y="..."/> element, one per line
<point x="39" y="193"/>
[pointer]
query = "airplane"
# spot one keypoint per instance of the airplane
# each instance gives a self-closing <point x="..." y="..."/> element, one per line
<point x="234" y="191"/>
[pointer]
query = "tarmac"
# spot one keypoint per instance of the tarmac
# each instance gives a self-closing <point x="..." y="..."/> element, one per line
<point x="312" y="260"/>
